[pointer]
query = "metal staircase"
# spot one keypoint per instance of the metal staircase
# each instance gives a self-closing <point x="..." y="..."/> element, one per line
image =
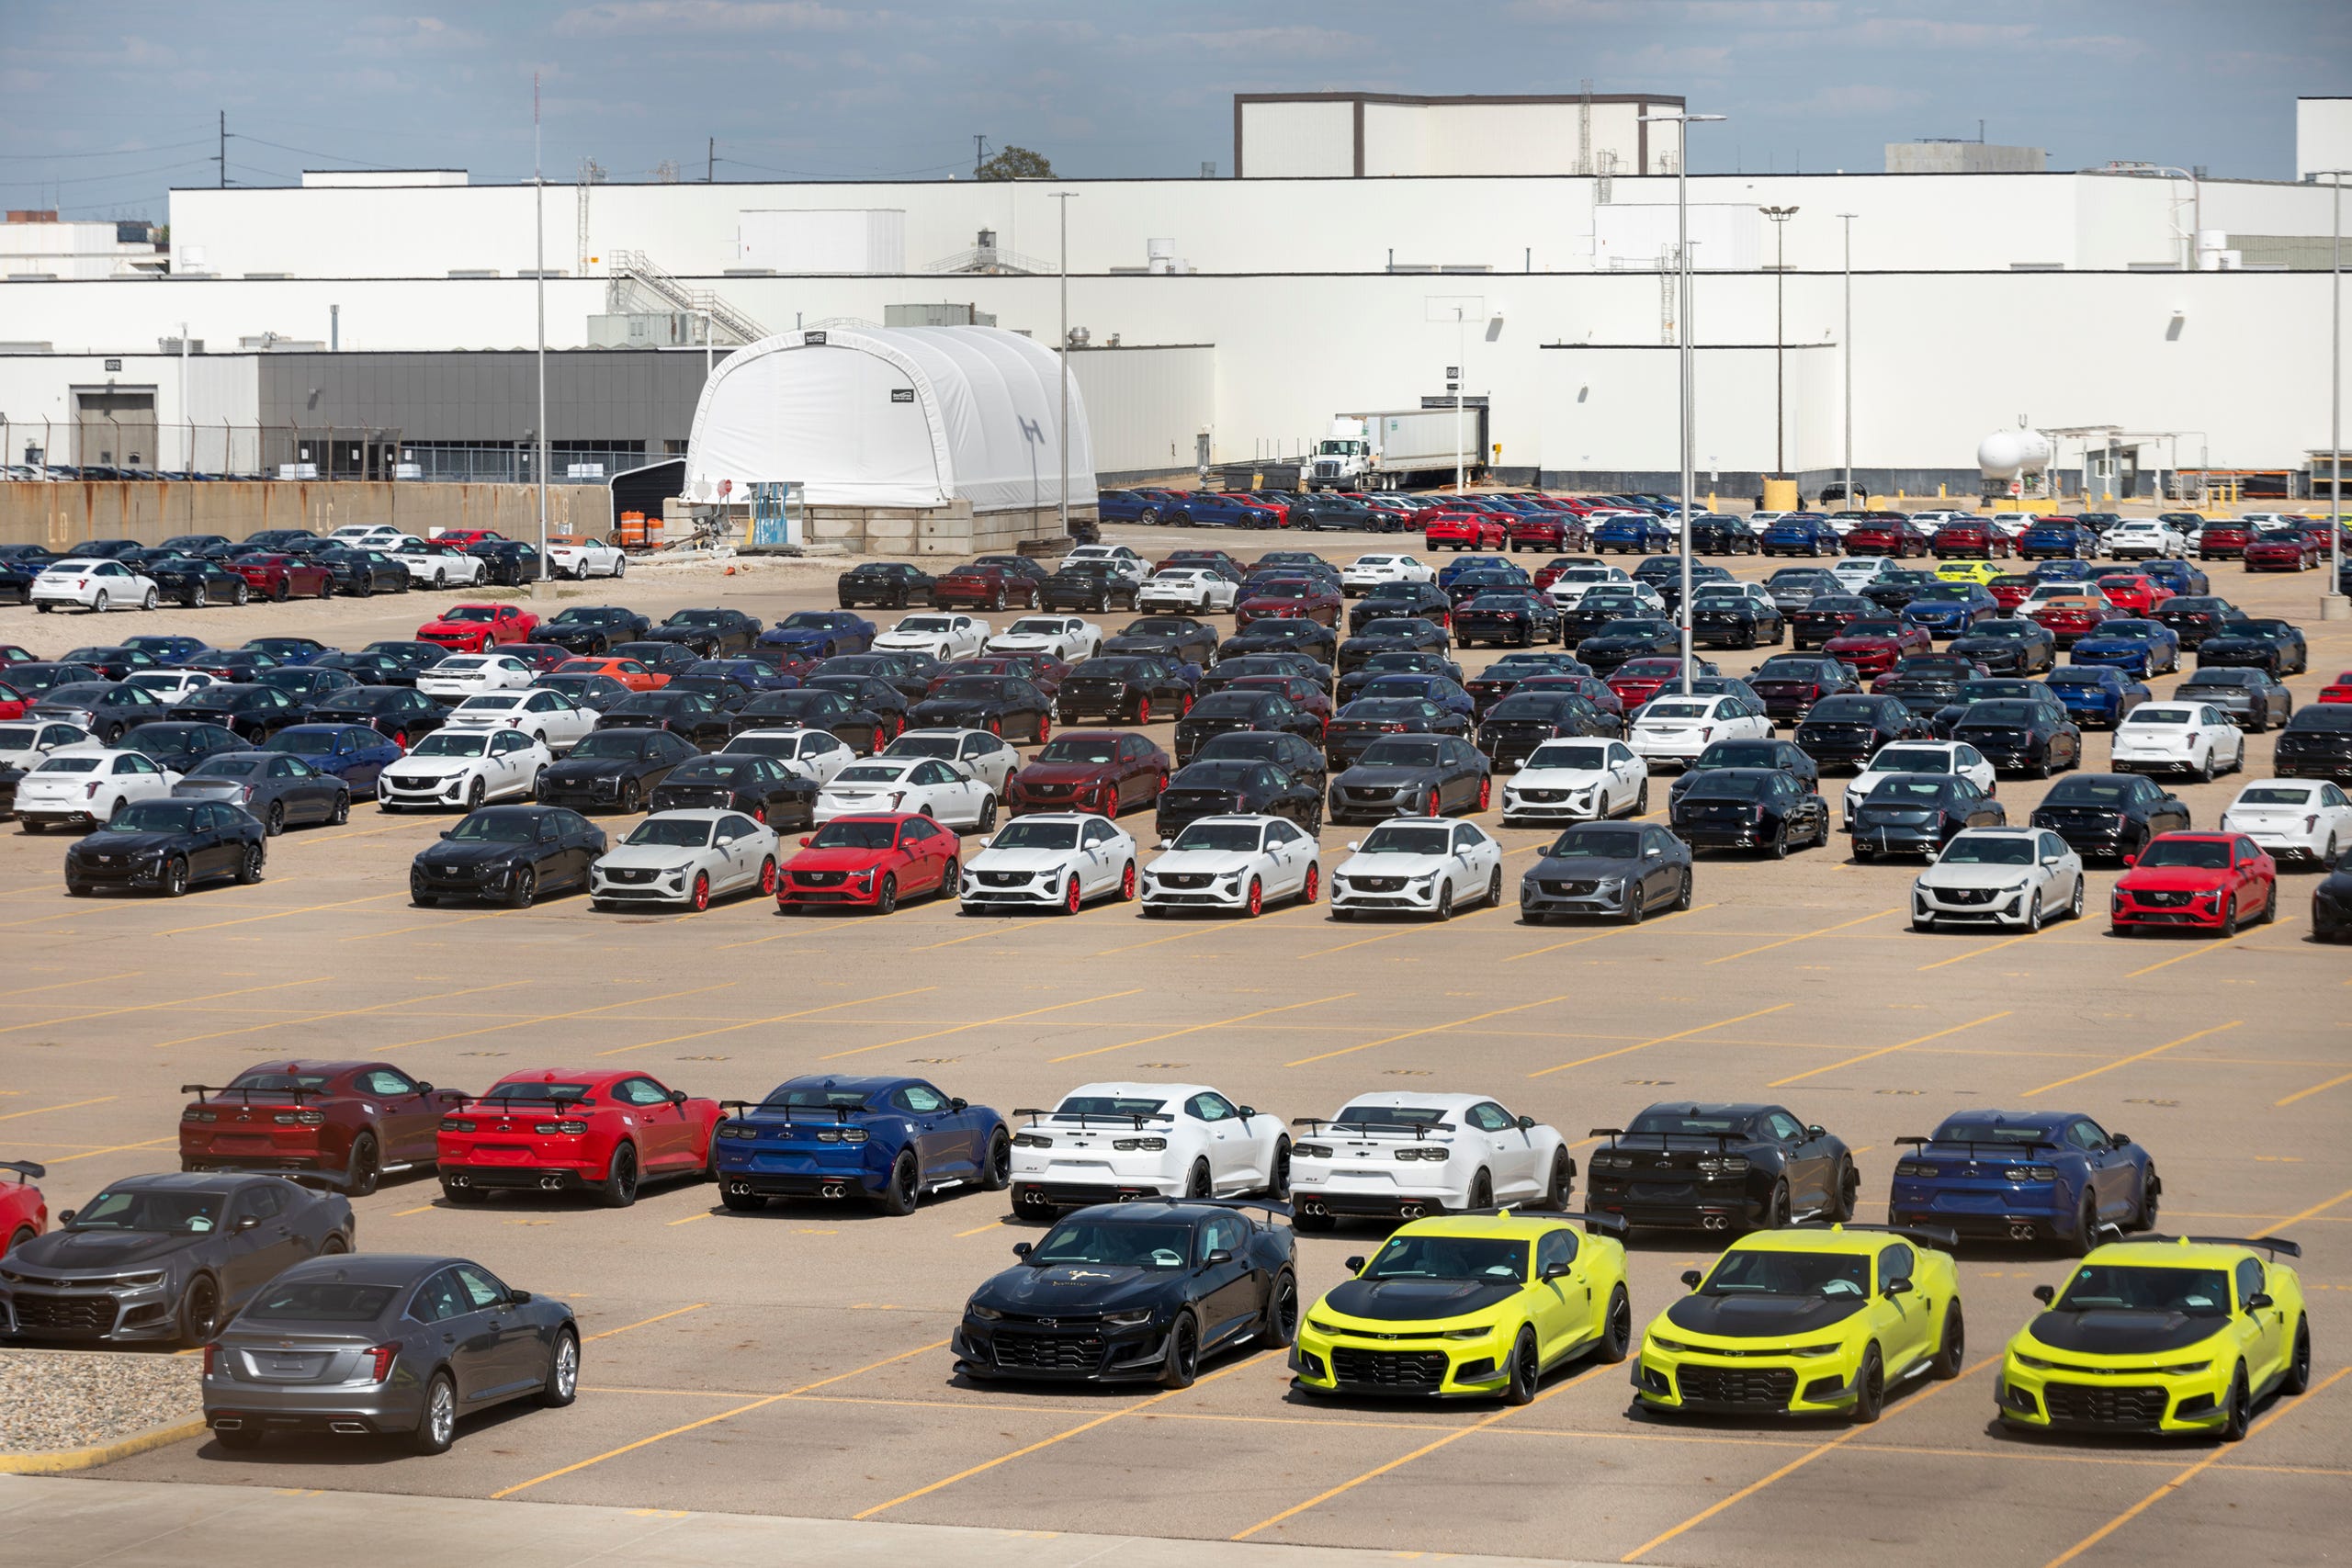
<point x="634" y="271"/>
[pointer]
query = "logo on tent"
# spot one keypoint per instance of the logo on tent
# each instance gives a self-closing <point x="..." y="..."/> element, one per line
<point x="902" y="394"/>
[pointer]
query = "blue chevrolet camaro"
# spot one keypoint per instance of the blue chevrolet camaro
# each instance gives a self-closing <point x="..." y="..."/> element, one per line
<point x="2096" y="694"/>
<point x="2025" y="1175"/>
<point x="887" y="1140"/>
<point x="820" y="634"/>
<point x="2142" y="648"/>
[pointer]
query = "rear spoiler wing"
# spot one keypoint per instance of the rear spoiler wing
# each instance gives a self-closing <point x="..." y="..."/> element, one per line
<point x="1974" y="1144"/>
<point x="1083" y="1116"/>
<point x="583" y="1102"/>
<point x="2273" y="1245"/>
<point x="785" y="1109"/>
<point x="1420" y="1130"/>
<point x="26" y="1170"/>
<point x="1938" y="1236"/>
<point x="246" y="1092"/>
<point x="1722" y="1140"/>
<point x="1272" y="1206"/>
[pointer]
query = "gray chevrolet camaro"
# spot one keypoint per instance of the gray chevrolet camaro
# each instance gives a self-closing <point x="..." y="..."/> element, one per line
<point x="165" y="1257"/>
<point x="395" y="1344"/>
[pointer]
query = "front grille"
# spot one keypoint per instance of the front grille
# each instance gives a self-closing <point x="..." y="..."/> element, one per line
<point x="1966" y="895"/>
<point x="1571" y="889"/>
<point x="1186" y="879"/>
<point x="1050" y="1352"/>
<point x="1544" y="796"/>
<point x="1766" y="1388"/>
<point x="1377" y="883"/>
<point x="629" y="876"/>
<point x="65" y="1314"/>
<point x="1048" y="792"/>
<point x="1371" y="795"/>
<point x="820" y="878"/>
<point x="1389" y="1369"/>
<point x="2104" y="1406"/>
<point x="2162" y="900"/>
<point x="1001" y="878"/>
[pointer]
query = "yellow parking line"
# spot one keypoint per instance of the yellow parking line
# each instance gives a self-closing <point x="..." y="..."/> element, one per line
<point x="307" y="1019"/>
<point x="151" y="1007"/>
<point x="1661" y="1039"/>
<point x="2140" y="1056"/>
<point x="1885" y="1050"/>
<point x="1427" y="1029"/>
<point x="61" y="985"/>
<point x="976" y="1230"/>
<point x="690" y="1219"/>
<point x="1612" y="931"/>
<point x="2314" y="1211"/>
<point x="403" y="1214"/>
<point x="116" y="1149"/>
<point x="1976" y="952"/>
<point x="69" y="1105"/>
<point x="1196" y="1028"/>
<point x="980" y="1024"/>
<point x="281" y="914"/>
<point x="657" y="1317"/>
<point x="1804" y="936"/>
<point x="2198" y="951"/>
<point x="756" y="1022"/>
<point x="2315" y="1089"/>
<point x="1418" y="929"/>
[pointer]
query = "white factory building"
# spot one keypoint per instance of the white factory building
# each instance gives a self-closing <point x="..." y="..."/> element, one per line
<point x="1359" y="246"/>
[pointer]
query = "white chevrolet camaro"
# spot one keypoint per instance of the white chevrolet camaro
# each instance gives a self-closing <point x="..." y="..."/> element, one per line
<point x="2307" y="818"/>
<point x="941" y="635"/>
<point x="1239" y="863"/>
<point x="1920" y="757"/>
<point x="1370" y="572"/>
<point x="926" y="786"/>
<point x="1399" y="1155"/>
<point x="1420" y="865"/>
<point x="1999" y="876"/>
<point x="1191" y="588"/>
<point x="1053" y="860"/>
<point x="1577" y="780"/>
<point x="1107" y="1142"/>
<point x="685" y="857"/>
<point x="464" y="768"/>
<point x="1066" y="638"/>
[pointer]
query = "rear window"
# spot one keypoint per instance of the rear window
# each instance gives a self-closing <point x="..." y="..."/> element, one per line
<point x="321" y="1301"/>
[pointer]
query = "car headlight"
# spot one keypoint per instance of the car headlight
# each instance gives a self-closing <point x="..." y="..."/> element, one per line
<point x="1830" y="1348"/>
<point x="1127" y="1319"/>
<point x="1467" y="1332"/>
<point x="2178" y="1369"/>
<point x="1663" y="1343"/>
<point x="986" y="1314"/>
<point x="2025" y="1361"/>
<point x="1319" y="1326"/>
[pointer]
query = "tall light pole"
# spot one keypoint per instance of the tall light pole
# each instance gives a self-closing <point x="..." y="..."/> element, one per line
<point x="1063" y="441"/>
<point x="1846" y="346"/>
<point x="2332" y="604"/>
<point x="1780" y="217"/>
<point x="539" y="293"/>
<point x="1688" y="407"/>
<point x="1460" y="468"/>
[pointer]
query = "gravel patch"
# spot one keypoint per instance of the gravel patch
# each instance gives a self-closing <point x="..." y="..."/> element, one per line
<point x="74" y="1399"/>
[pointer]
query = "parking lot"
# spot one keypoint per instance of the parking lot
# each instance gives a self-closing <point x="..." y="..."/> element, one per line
<point x="794" y="1360"/>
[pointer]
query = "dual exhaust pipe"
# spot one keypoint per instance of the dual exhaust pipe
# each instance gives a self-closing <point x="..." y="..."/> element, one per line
<point x="2021" y="1233"/>
<point x="1410" y="1211"/>
<point x="550" y="1183"/>
<point x="1715" y="1221"/>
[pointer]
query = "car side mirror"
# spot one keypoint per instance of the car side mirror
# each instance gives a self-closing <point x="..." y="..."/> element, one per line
<point x="958" y="1104"/>
<point x="424" y="1088"/>
<point x="65" y="1216"/>
<point x="677" y="1097"/>
<point x="1214" y="1258"/>
<point x="1692" y="1277"/>
<point x="2257" y="1301"/>
<point x="1355" y="1265"/>
<point x="804" y="843"/>
<point x="1814" y="1132"/>
<point x="1021" y="1249"/>
<point x="2045" y="1294"/>
<point x="1527" y="1124"/>
<point x="447" y="832"/>
<point x="518" y="1297"/>
<point x="1896" y="1287"/>
<point x="1557" y="1270"/>
<point x="2119" y="1140"/>
<point x="246" y="1223"/>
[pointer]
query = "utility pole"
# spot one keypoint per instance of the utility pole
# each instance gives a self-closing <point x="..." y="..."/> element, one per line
<point x="979" y="155"/>
<point x="2332" y="605"/>
<point x="539" y="293"/>
<point x="1688" y="365"/>
<point x="223" y="158"/>
<point x="1780" y="217"/>
<point x="1063" y="443"/>
<point x="1846" y="346"/>
<point x="188" y="420"/>
<point x="710" y="163"/>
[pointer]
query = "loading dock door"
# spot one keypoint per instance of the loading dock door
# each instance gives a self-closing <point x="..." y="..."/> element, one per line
<point x="115" y="428"/>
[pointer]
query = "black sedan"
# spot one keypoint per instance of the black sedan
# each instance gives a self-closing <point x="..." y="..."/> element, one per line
<point x="1919" y="814"/>
<point x="1729" y="618"/>
<point x="365" y="669"/>
<point x="1411" y="775"/>
<point x="507" y="562"/>
<point x="1221" y="788"/>
<point x="1399" y="662"/>
<point x="909" y="674"/>
<point x="2021" y="736"/>
<point x="507" y="854"/>
<point x="1988" y="689"/>
<point x="614" y="770"/>
<point x="194" y="582"/>
<point x="1496" y="682"/>
<point x="1510" y="617"/>
<point x="1824" y="616"/>
<point x="1619" y="869"/>
<point x="278" y="789"/>
<point x="178" y="745"/>
<point x="1846" y="730"/>
<point x="1240" y="707"/>
<point x="412" y="656"/>
<point x="402" y="714"/>
<point x="712" y="633"/>
<point x="1179" y="639"/>
<point x="1750" y="808"/>
<point x="1794" y="588"/>
<point x="255" y="712"/>
<point x="112" y="663"/>
<point x="872" y="694"/>
<point x="859" y="727"/>
<point x="308" y="684"/>
<point x="1243" y="667"/>
<point x="2275" y="646"/>
<point x="1388" y="635"/>
<point x="1161" y="1284"/>
<point x="1403" y="600"/>
<point x="1122" y="686"/>
<point x="1002" y="705"/>
<point x="2110" y="815"/>
<point x="1722" y="1167"/>
<point x="1361" y="723"/>
<point x="108" y="709"/>
<point x="690" y="715"/>
<point x="894" y="586"/>
<point x="1785" y="755"/>
<point x="2009" y="647"/>
<point x="2193" y="617"/>
<point x="591" y="628"/>
<point x="167" y="846"/>
<point x="1515" y="726"/>
<point x="1713" y="535"/>
<point x="363" y="573"/>
<point x="1893" y="590"/>
<point x="760" y="787"/>
<point x="2316" y="744"/>
<point x="1282" y="634"/>
<point x="2253" y="697"/>
<point x="2332" y="903"/>
<point x="1631" y="639"/>
<point x="1927" y="683"/>
<point x="1292" y="754"/>
<point x="166" y="1258"/>
<point x="1463" y="586"/>
<point x="1089" y="584"/>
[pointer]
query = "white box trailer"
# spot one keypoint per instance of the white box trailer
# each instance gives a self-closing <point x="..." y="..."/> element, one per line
<point x="1399" y="448"/>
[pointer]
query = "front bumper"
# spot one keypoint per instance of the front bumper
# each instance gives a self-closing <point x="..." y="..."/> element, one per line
<point x="62" y="1312"/>
<point x="1970" y="906"/>
<point x="392" y="791"/>
<point x="1350" y="805"/>
<point x="2075" y="1397"/>
<point x="1221" y="893"/>
<point x="644" y="886"/>
<point x="1060" y="1349"/>
<point x="1553" y="805"/>
<point x="1400" y="1365"/>
<point x="1700" y="1380"/>
<point x="1572" y="898"/>
<point x="792" y="893"/>
<point x="2195" y="911"/>
<point x="115" y="871"/>
<point x="1415" y="894"/>
<point x="1040" y="890"/>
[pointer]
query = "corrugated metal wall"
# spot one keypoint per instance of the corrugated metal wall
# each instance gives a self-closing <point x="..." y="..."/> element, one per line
<point x="1146" y="405"/>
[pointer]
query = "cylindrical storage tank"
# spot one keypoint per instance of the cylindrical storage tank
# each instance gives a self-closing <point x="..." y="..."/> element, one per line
<point x="2010" y="454"/>
<point x="1159" y="254"/>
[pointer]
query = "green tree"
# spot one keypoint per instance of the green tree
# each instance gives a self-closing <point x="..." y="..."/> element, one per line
<point x="1017" y="164"/>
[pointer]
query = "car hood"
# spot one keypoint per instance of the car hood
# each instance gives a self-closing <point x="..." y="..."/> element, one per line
<point x="1389" y="864"/>
<point x="1361" y="776"/>
<point x="1138" y="645"/>
<point x="1078" y="1289"/>
<point x="1584" y="869"/>
<point x="775" y="636"/>
<point x="103" y="843"/>
<point x="1020" y="860"/>
<point x="1974" y="876"/>
<point x="654" y="857"/>
<point x="448" y="854"/>
<point x="678" y="634"/>
<point x="838" y="859"/>
<point x="1762" y="1317"/>
<point x="1064" y="772"/>
<point x="453" y="628"/>
<point x="2172" y="879"/>
<point x="432" y="767"/>
<point x="915" y="641"/>
<point x="1214" y="863"/>
<point x="592" y="767"/>
<point x="1558" y="778"/>
<point x="2122" y="1333"/>
<point x="68" y="1249"/>
<point x="1025" y="642"/>
<point x="1394" y="1300"/>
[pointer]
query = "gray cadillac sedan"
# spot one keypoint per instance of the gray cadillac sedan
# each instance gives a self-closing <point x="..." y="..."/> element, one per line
<point x="1623" y="870"/>
<point x="396" y="1345"/>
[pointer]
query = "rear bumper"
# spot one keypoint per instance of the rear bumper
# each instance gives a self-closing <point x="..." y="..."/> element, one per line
<point x="519" y="1178"/>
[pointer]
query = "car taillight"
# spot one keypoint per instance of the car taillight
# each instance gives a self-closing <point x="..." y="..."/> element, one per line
<point x="1759" y="813"/>
<point x="842" y="1135"/>
<point x="198" y="1113"/>
<point x="455" y="1125"/>
<point x="1915" y="1167"/>
<point x="300" y="1118"/>
<point x="550" y="1129"/>
<point x="380" y="1360"/>
<point x="90" y="791"/>
<point x="2031" y="1173"/>
<point x="210" y="1352"/>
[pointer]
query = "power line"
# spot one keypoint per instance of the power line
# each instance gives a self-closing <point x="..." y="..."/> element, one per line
<point x="117" y="175"/>
<point x="308" y="151"/>
<point x="118" y="153"/>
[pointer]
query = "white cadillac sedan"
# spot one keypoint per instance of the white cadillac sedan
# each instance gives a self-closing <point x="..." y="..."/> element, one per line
<point x="1239" y="863"/>
<point x="685" y="857"/>
<point x="1066" y="638"/>
<point x="171" y="685"/>
<point x="988" y="756"/>
<point x="1110" y="1142"/>
<point x="2310" y="819"/>
<point x="91" y="585"/>
<point x="1053" y="860"/>
<point x="548" y="717"/>
<point x="1676" y="729"/>
<point x="942" y="635"/>
<point x="1399" y="1155"/>
<point x="1999" y="876"/>
<point x="816" y="754"/>
<point x="1568" y="589"/>
<point x="1577" y="780"/>
<point x="464" y="768"/>
<point x="84" y="786"/>
<point x="2188" y="738"/>
<point x="927" y="786"/>
<point x="467" y="674"/>
<point x="1920" y="757"/>
<point x="1419" y="865"/>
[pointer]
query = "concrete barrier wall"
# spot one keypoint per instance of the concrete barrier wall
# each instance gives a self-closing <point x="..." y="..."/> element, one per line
<point x="56" y="513"/>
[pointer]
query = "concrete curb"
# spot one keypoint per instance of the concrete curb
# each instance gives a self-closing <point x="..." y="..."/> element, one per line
<point x="54" y="1461"/>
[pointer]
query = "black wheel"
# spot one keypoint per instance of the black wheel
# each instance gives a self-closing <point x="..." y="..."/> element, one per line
<point x="1952" y="1354"/>
<point x="474" y="792"/>
<point x="885" y="898"/>
<point x="997" y="1173"/>
<point x="1481" y="1190"/>
<point x="1776" y="1208"/>
<point x="1616" y="1330"/>
<point x="1869" y="1388"/>
<point x="249" y="865"/>
<point x="437" y="1424"/>
<point x="199" y="1313"/>
<point x="1196" y="1181"/>
<point x="1279" y="1324"/>
<point x="2299" y="1364"/>
<point x="1842" y="1195"/>
<point x="2240" y="1408"/>
<point x="1526" y="1371"/>
<point x="2086" y="1227"/>
<point x="900" y="1193"/>
<point x="275" y="821"/>
<point x="176" y="877"/>
<point x="526" y="888"/>
<point x="2152" y="1197"/>
<point x="1279" y="1186"/>
<point x="563" y="1371"/>
<point x="1443" y="910"/>
<point x="1183" y="1361"/>
<point x="621" y="1179"/>
<point x="1560" y="1186"/>
<point x="364" y="1170"/>
<point x="1495" y="889"/>
<point x="1682" y="900"/>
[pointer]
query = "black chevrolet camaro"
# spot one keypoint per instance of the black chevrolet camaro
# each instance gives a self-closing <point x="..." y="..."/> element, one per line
<point x="1721" y="1168"/>
<point x="1177" y="638"/>
<point x="591" y="628"/>
<point x="1135" y="1292"/>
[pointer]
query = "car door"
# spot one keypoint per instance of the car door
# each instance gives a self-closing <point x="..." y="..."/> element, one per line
<point x="285" y="785"/>
<point x="1229" y="1292"/>
<point x="403" y="1113"/>
<point x="259" y="1242"/>
<point x="1508" y="1149"/>
<point x="1560" y="1299"/>
<point x="504" y="1346"/>
<point x="666" y="1136"/>
<point x="1805" y="1159"/>
<point x="1225" y="1143"/>
<point x="1625" y="785"/>
<point x="1292" y="851"/>
<point x="944" y="1141"/>
<point x="2264" y="1332"/>
<point x="1476" y="857"/>
<point x="2109" y="1175"/>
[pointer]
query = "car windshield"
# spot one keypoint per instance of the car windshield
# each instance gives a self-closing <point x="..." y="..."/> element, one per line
<point x="1872" y="628"/>
<point x="1115" y="1244"/>
<point x="228" y="768"/>
<point x="814" y="620"/>
<point x="924" y="623"/>
<point x="1220" y="838"/>
<point x="470" y="613"/>
<point x="1391" y="839"/>
<point x="448" y="743"/>
<point x="1759" y="1272"/>
<point x="1728" y="787"/>
<point x="2328" y="716"/>
<point x="614" y="745"/>
<point x="718" y="770"/>
<point x="696" y="618"/>
<point x="2005" y="629"/>
<point x="940" y="746"/>
<point x="2090" y="791"/>
<point x="154" y="817"/>
<point x="1124" y="1106"/>
<point x="2262" y="794"/>
<point x="495" y="828"/>
<point x="2193" y="855"/>
<point x="318" y="1301"/>
<point x="1400" y="754"/>
<point x="19" y="737"/>
<point x="1970" y="849"/>
<point x="1563" y="755"/>
<point x="673" y="832"/>
<point x="970" y="686"/>
<point x="1645" y="629"/>
<point x="1449" y="1257"/>
<point x="1023" y="834"/>
<point x="1937" y="592"/>
<point x="2108" y="1287"/>
<point x="171" y="1212"/>
<point x="1596" y="843"/>
<point x="852" y="834"/>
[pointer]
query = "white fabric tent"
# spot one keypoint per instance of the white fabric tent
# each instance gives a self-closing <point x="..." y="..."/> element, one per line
<point x="890" y="416"/>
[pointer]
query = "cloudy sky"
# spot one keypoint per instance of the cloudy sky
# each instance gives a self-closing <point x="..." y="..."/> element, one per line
<point x="104" y="108"/>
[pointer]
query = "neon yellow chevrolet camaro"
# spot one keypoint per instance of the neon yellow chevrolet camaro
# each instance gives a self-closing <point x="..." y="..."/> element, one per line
<point x="1477" y="1305"/>
<point x="1810" y="1320"/>
<point x="2162" y="1335"/>
<point x="1967" y="571"/>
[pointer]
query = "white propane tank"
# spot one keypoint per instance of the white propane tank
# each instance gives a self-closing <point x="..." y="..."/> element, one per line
<point x="2012" y="453"/>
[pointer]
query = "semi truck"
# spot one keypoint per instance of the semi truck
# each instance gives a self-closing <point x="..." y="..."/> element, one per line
<point x="1399" y="448"/>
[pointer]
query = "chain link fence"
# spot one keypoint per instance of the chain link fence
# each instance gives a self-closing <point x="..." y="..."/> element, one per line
<point x="120" y="446"/>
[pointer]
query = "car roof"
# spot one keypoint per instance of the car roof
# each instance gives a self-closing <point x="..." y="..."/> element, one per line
<point x="195" y="1182"/>
<point x="2175" y="1252"/>
<point x="2026" y="1120"/>
<point x="1832" y="1238"/>
<point x="373" y="1267"/>
<point x="869" y="1086"/>
<point x="1390" y="1098"/>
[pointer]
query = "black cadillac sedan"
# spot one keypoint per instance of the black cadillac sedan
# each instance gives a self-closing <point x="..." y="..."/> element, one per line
<point x="507" y="854"/>
<point x="1634" y="638"/>
<point x="402" y="714"/>
<point x="178" y="746"/>
<point x="761" y="787"/>
<point x="1848" y="729"/>
<point x="1919" y="814"/>
<point x="689" y="714"/>
<point x="614" y="770"/>
<point x="1623" y="870"/>
<point x="2110" y="815"/>
<point x="2009" y="647"/>
<point x="1750" y="808"/>
<point x="1292" y="754"/>
<point x="1238" y="708"/>
<point x="2254" y="698"/>
<point x="1237" y="785"/>
<point x="167" y="846"/>
<point x="2021" y="736"/>
<point x="1179" y="639"/>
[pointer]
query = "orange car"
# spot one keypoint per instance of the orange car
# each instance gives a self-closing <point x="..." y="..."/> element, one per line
<point x="2338" y="690"/>
<point x="627" y="672"/>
